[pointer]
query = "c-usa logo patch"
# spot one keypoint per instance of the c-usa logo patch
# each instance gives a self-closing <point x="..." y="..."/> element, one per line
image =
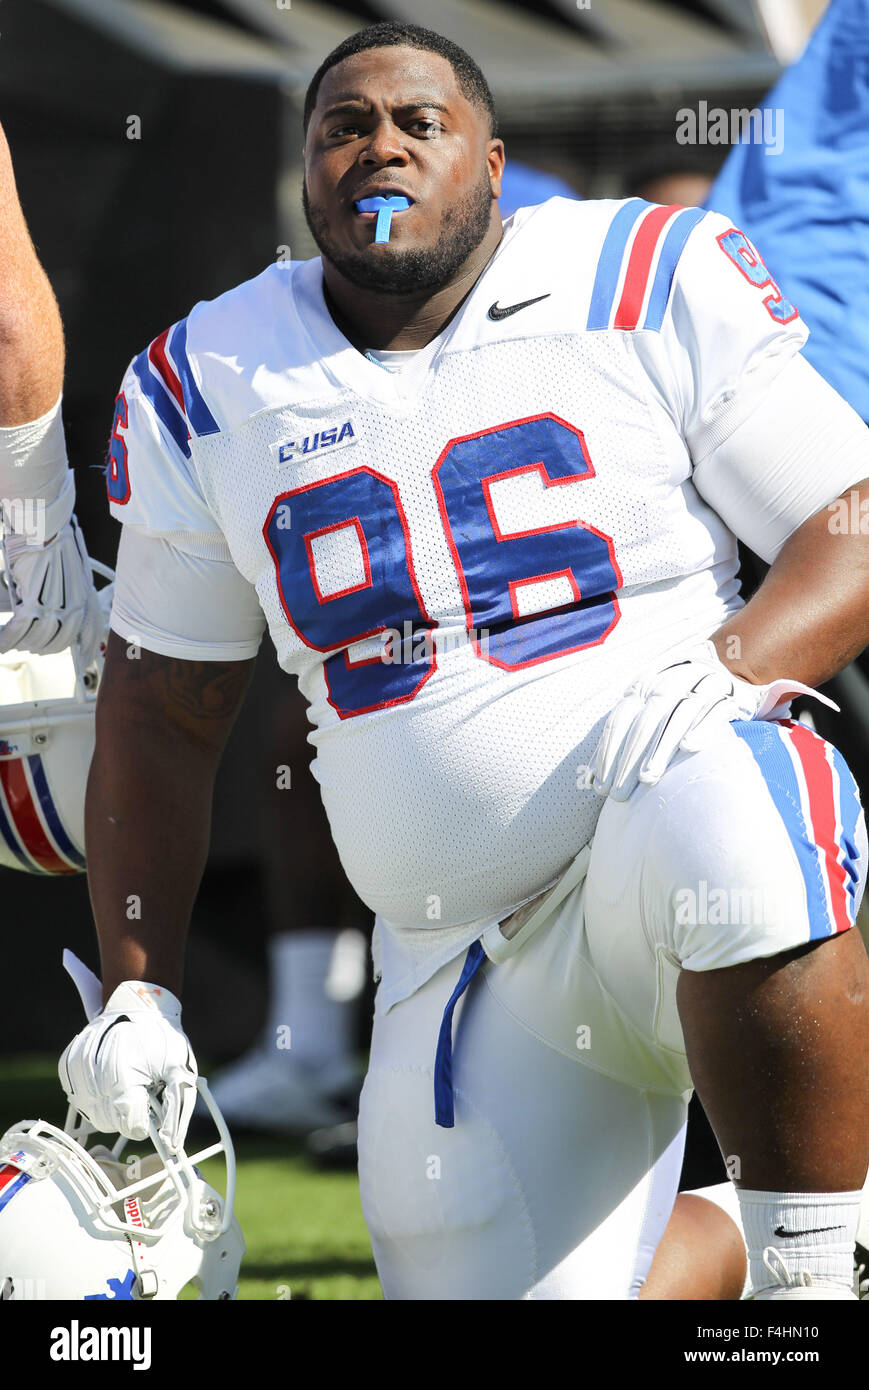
<point x="303" y="447"/>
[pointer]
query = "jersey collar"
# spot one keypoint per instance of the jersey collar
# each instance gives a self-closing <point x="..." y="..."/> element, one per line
<point x="350" y="369"/>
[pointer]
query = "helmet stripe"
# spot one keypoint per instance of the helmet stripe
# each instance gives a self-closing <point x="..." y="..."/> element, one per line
<point x="10" y="1190"/>
<point x="49" y="810"/>
<point x="10" y="838"/>
<point x="25" y="818"/>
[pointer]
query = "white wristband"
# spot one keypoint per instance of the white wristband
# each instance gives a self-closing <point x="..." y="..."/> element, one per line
<point x="37" y="489"/>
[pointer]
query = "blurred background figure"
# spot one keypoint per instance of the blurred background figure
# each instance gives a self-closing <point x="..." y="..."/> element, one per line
<point x="523" y="187"/>
<point x="672" y="177"/>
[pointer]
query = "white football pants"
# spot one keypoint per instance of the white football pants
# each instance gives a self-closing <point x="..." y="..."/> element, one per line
<point x="569" y="1070"/>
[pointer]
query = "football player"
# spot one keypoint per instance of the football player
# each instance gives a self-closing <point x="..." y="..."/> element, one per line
<point x="46" y="572"/>
<point x="552" y="742"/>
<point x="316" y="973"/>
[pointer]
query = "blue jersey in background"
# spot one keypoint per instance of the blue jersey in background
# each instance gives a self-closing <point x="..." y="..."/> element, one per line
<point x="807" y="208"/>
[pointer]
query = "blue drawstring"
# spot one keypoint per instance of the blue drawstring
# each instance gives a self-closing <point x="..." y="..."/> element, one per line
<point x="443" y="1068"/>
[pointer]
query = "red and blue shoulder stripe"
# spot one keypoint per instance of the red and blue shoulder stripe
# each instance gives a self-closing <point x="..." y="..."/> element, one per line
<point x="164" y="373"/>
<point x="637" y="263"/>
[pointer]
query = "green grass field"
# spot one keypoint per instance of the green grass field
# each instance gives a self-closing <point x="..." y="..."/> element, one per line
<point x="303" y="1228"/>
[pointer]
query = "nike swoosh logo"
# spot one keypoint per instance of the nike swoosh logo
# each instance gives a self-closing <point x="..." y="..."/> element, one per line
<point x="496" y="313"/>
<point x="815" y="1231"/>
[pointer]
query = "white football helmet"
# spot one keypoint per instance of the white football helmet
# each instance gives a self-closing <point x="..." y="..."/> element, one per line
<point x="47" y="732"/>
<point x="79" y="1224"/>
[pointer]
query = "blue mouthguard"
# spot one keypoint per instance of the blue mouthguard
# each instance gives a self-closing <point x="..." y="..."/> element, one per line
<point x="384" y="207"/>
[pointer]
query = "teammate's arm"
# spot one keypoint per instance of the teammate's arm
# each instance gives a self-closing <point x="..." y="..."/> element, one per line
<point x="31" y="335"/>
<point x="162" y="724"/>
<point x="47" y="573"/>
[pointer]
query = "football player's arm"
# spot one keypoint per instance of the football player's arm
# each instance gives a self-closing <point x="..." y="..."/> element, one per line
<point x="48" y="585"/>
<point x="774" y="448"/>
<point x="168" y="697"/>
<point x="793" y="483"/>
<point x="777" y="454"/>
<point x="31" y="336"/>
<point x="810" y="616"/>
<point x="162" y="724"/>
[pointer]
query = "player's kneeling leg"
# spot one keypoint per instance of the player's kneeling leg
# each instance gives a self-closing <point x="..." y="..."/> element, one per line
<point x="746" y="868"/>
<point x="701" y="1255"/>
<point x="557" y="1179"/>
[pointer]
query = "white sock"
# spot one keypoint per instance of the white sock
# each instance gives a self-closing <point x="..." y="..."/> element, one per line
<point x="315" y="977"/>
<point x="813" y="1233"/>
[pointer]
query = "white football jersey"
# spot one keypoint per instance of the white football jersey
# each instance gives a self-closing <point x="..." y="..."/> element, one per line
<point x="466" y="561"/>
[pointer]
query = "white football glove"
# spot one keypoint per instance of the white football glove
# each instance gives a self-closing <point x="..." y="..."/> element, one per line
<point x="681" y="706"/>
<point x="134" y="1049"/>
<point x="51" y="595"/>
